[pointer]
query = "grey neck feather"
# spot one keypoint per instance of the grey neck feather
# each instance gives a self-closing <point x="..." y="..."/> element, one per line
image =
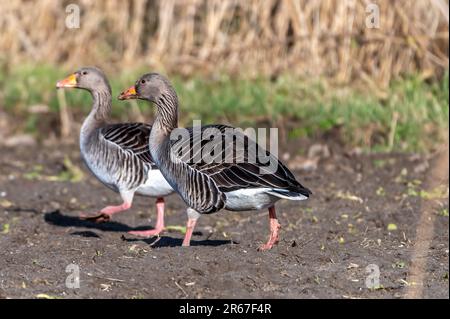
<point x="167" y="111"/>
<point x="99" y="115"/>
<point x="166" y="121"/>
<point x="166" y="117"/>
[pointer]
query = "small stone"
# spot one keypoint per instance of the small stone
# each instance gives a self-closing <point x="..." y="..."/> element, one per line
<point x="305" y="164"/>
<point x="352" y="266"/>
<point x="319" y="150"/>
<point x="20" y="140"/>
<point x="422" y="167"/>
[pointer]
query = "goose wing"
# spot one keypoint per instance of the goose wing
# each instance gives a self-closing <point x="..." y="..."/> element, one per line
<point x="132" y="138"/>
<point x="235" y="162"/>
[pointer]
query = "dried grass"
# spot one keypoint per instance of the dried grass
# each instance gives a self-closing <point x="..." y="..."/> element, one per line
<point x="250" y="38"/>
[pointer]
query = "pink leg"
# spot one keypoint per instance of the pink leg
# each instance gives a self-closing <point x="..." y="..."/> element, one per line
<point x="106" y="213"/>
<point x="159" y="222"/>
<point x="274" y="229"/>
<point x="189" y="230"/>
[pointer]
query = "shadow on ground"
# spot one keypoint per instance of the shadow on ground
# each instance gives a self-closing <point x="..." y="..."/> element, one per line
<point x="57" y="219"/>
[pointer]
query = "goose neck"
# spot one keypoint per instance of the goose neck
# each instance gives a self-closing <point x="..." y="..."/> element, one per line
<point x="99" y="115"/>
<point x="167" y="112"/>
<point x="102" y="105"/>
<point x="165" y="122"/>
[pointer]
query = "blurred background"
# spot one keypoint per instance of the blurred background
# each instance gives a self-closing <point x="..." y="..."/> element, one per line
<point x="359" y="90"/>
<point x="366" y="74"/>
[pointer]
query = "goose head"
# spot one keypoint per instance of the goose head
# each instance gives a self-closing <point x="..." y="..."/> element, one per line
<point x="151" y="87"/>
<point x="87" y="78"/>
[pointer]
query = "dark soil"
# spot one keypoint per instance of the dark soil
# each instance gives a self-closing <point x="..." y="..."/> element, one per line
<point x="326" y="242"/>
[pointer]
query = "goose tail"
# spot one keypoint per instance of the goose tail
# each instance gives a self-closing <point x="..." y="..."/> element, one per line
<point x="301" y="193"/>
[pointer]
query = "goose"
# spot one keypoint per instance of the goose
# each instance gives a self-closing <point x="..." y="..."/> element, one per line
<point x="207" y="187"/>
<point x="117" y="154"/>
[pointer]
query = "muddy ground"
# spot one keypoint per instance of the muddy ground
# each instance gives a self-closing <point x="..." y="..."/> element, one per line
<point x="365" y="210"/>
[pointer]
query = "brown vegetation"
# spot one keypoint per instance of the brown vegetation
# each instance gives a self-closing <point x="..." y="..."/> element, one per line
<point x="255" y="37"/>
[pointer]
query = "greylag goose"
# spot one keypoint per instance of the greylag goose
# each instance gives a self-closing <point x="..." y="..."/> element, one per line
<point x="117" y="154"/>
<point x="238" y="184"/>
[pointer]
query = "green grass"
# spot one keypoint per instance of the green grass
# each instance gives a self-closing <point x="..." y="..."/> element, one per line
<point x="303" y="108"/>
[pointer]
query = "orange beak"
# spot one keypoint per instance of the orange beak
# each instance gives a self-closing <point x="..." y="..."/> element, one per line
<point x="128" y="94"/>
<point x="69" y="82"/>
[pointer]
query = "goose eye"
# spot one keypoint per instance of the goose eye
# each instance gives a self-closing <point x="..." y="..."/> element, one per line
<point x="143" y="81"/>
<point x="84" y="72"/>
